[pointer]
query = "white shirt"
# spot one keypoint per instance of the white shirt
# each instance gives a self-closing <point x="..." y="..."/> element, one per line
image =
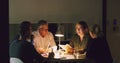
<point x="43" y="42"/>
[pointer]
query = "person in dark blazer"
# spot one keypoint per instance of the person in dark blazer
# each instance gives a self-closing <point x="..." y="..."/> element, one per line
<point x="99" y="49"/>
<point x="22" y="47"/>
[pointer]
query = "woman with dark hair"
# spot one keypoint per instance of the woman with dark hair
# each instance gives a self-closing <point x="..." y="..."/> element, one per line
<point x="99" y="49"/>
<point x="81" y="39"/>
<point x="24" y="32"/>
<point x="22" y="50"/>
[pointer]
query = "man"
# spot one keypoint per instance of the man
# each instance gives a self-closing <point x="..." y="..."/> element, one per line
<point x="43" y="39"/>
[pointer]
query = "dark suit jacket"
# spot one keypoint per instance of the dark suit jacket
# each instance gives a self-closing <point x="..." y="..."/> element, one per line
<point x="99" y="51"/>
<point x="23" y="50"/>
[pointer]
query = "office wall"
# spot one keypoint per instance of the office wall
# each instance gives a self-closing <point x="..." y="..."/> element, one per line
<point x="66" y="11"/>
<point x="113" y="28"/>
<point x="54" y="11"/>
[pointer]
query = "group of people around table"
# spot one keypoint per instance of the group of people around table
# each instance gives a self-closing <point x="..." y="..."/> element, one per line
<point x="29" y="46"/>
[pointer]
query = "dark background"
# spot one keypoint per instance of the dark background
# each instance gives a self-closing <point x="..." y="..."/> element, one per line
<point x="4" y="30"/>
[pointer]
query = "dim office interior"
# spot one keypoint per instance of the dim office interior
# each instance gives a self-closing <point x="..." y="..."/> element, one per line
<point x="67" y="13"/>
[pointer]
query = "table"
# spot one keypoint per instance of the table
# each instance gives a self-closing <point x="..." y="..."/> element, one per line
<point x="52" y="60"/>
<point x="68" y="59"/>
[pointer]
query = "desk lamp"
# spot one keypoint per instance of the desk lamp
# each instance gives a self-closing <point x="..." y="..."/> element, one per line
<point x="59" y="34"/>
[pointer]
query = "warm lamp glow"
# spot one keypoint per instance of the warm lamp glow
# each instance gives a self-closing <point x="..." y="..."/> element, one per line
<point x="59" y="35"/>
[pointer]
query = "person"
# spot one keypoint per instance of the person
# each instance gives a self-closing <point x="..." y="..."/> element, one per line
<point x="80" y="40"/>
<point x="99" y="50"/>
<point x="43" y="39"/>
<point x="21" y="50"/>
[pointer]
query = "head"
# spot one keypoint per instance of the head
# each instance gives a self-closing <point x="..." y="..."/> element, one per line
<point x="81" y="28"/>
<point x="95" y="31"/>
<point x="25" y="30"/>
<point x="43" y="27"/>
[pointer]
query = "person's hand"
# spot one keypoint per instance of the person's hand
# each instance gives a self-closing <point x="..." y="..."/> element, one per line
<point x="45" y="55"/>
<point x="41" y="50"/>
<point x="81" y="51"/>
<point x="70" y="50"/>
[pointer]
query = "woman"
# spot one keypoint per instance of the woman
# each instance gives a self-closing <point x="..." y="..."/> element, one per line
<point x="22" y="50"/>
<point x="99" y="50"/>
<point x="81" y="39"/>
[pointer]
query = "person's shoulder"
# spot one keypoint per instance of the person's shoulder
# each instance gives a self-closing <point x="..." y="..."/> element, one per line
<point x="21" y="42"/>
<point x="16" y="43"/>
<point x="25" y="43"/>
<point x="75" y="36"/>
<point x="49" y="33"/>
<point x="35" y="33"/>
<point x="99" y="40"/>
<point x="101" y="37"/>
<point x="13" y="42"/>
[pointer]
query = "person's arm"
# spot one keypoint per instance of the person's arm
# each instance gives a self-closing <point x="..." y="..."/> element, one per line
<point x="72" y="42"/>
<point x="36" y="56"/>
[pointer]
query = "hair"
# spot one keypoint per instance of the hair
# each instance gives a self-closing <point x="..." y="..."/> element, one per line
<point x="95" y="29"/>
<point x="42" y="22"/>
<point x="25" y="29"/>
<point x="83" y="23"/>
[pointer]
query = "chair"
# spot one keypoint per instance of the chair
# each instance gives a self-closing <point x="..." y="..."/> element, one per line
<point x="15" y="60"/>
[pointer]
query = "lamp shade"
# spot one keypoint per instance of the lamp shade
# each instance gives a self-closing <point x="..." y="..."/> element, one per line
<point x="59" y="35"/>
<point x="59" y="32"/>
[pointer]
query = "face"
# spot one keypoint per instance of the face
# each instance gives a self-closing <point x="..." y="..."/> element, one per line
<point x="43" y="30"/>
<point x="80" y="30"/>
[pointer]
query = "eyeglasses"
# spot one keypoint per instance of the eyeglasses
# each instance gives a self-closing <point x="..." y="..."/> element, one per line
<point x="43" y="29"/>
